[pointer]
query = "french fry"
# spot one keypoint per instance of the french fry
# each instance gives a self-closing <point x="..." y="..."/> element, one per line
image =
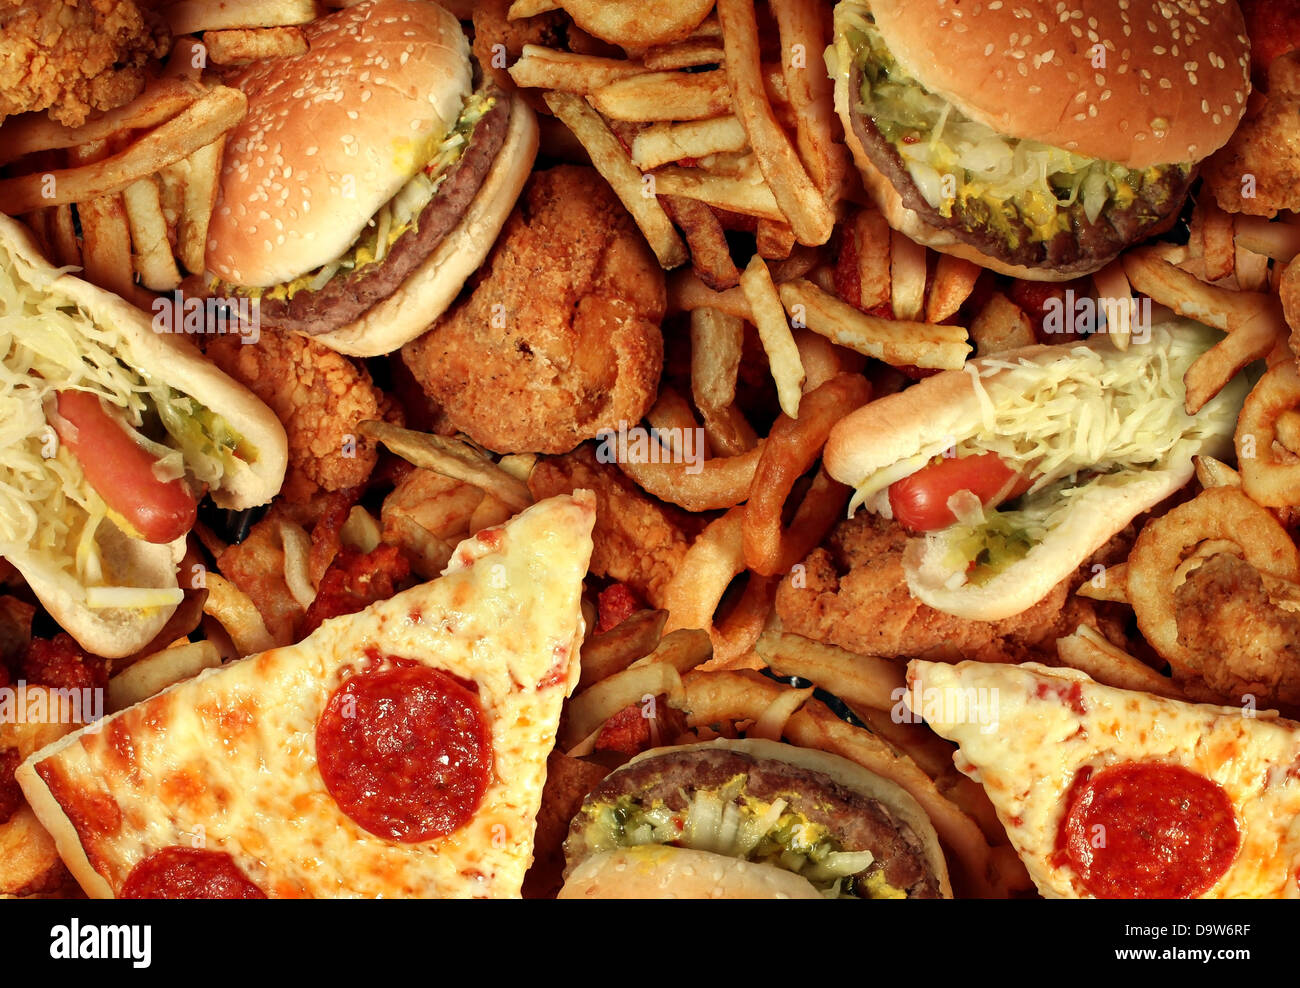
<point x="451" y="458"/>
<point x="861" y="681"/>
<point x="193" y="16"/>
<point x="608" y="652"/>
<point x="907" y="276"/>
<point x="1001" y="325"/>
<point x="728" y="431"/>
<point x="154" y="673"/>
<point x="871" y="238"/>
<point x="721" y="482"/>
<point x="1251" y="270"/>
<point x="153" y="256"/>
<point x="799" y="199"/>
<point x="894" y="341"/>
<point x="609" y="158"/>
<point x="716" y="343"/>
<point x="1253" y="321"/>
<point x="683" y="649"/>
<point x="236" y="46"/>
<point x="1217" y="246"/>
<point x="546" y="68"/>
<point x="710" y="252"/>
<point x="160" y="101"/>
<point x="691" y="53"/>
<point x="199" y="124"/>
<point x="792" y="446"/>
<point x="361" y="531"/>
<point x="655" y="96"/>
<point x="770" y="724"/>
<point x="63" y="233"/>
<point x="1111" y="283"/>
<point x="775" y="239"/>
<point x="714" y="559"/>
<point x="809" y="90"/>
<point x="1280" y="241"/>
<point x="198" y="200"/>
<point x="106" y="244"/>
<point x="1215" y="473"/>
<point x="672" y="418"/>
<point x="687" y="292"/>
<point x="1109" y="583"/>
<point x="1089" y="652"/>
<point x="819" y="356"/>
<point x="954" y="280"/>
<point x="237" y="615"/>
<point x="769" y="317"/>
<point x="740" y="195"/>
<point x="663" y="143"/>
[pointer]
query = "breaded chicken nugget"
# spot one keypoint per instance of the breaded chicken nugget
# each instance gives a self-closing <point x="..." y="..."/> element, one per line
<point x="560" y="336"/>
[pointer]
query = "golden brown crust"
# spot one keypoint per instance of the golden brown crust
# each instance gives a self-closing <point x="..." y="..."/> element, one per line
<point x="1168" y="83"/>
<point x="560" y="337"/>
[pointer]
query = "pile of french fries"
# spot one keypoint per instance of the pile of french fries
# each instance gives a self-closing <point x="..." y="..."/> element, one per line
<point x="128" y="195"/>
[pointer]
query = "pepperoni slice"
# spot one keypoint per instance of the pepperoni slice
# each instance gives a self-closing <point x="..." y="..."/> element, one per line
<point x="1145" y="830"/>
<point x="188" y="873"/>
<point x="406" y="752"/>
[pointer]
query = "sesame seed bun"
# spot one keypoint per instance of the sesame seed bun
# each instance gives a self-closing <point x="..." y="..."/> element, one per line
<point x="1172" y="88"/>
<point x="332" y="135"/>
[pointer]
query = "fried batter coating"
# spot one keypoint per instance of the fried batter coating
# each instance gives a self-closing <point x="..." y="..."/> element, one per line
<point x="1238" y="639"/>
<point x="636" y="540"/>
<point x="321" y="397"/>
<point x="1266" y="147"/>
<point x="560" y="337"/>
<point x="72" y="57"/>
<point x="853" y="594"/>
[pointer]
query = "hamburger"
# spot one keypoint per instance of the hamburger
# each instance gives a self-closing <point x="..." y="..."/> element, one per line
<point x="369" y="178"/>
<point x="751" y="819"/>
<point x="1039" y="146"/>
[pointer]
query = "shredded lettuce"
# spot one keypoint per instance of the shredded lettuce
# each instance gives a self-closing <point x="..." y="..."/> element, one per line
<point x="48" y="510"/>
<point x="1001" y="180"/>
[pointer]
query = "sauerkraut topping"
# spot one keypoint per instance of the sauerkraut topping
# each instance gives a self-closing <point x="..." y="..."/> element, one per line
<point x="48" y="511"/>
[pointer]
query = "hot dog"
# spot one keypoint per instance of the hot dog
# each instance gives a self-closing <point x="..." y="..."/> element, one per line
<point x="111" y="433"/>
<point x="1014" y="470"/>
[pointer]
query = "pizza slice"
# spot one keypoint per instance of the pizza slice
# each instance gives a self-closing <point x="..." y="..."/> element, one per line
<point x="1107" y="793"/>
<point x="396" y="752"/>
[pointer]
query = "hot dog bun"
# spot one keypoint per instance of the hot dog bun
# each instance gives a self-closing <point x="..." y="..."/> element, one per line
<point x="129" y="561"/>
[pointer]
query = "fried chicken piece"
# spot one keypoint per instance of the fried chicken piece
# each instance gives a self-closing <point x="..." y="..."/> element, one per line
<point x="560" y="336"/>
<point x="853" y="594"/>
<point x="72" y="57"/>
<point x="321" y="397"/>
<point x="636" y="541"/>
<point x="1266" y="147"/>
<point x="1238" y="639"/>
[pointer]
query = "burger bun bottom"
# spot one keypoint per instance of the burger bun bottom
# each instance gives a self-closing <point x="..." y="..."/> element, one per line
<point x="656" y="871"/>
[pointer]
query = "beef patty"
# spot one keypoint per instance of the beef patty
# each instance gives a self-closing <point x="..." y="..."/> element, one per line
<point x="1082" y="248"/>
<point x="348" y="295"/>
<point x="852" y="818"/>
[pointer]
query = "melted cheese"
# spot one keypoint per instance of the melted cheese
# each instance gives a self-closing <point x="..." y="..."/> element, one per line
<point x="229" y="758"/>
<point x="1026" y="756"/>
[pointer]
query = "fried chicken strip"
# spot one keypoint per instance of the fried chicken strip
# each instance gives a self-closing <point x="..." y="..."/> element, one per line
<point x="852" y="593"/>
<point x="73" y="57"/>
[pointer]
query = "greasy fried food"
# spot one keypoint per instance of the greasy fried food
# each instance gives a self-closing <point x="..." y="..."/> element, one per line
<point x="853" y="594"/>
<point x="636" y="540"/>
<point x="320" y="396"/>
<point x="1237" y="640"/>
<point x="1255" y="172"/>
<point x="72" y="57"/>
<point x="560" y="336"/>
